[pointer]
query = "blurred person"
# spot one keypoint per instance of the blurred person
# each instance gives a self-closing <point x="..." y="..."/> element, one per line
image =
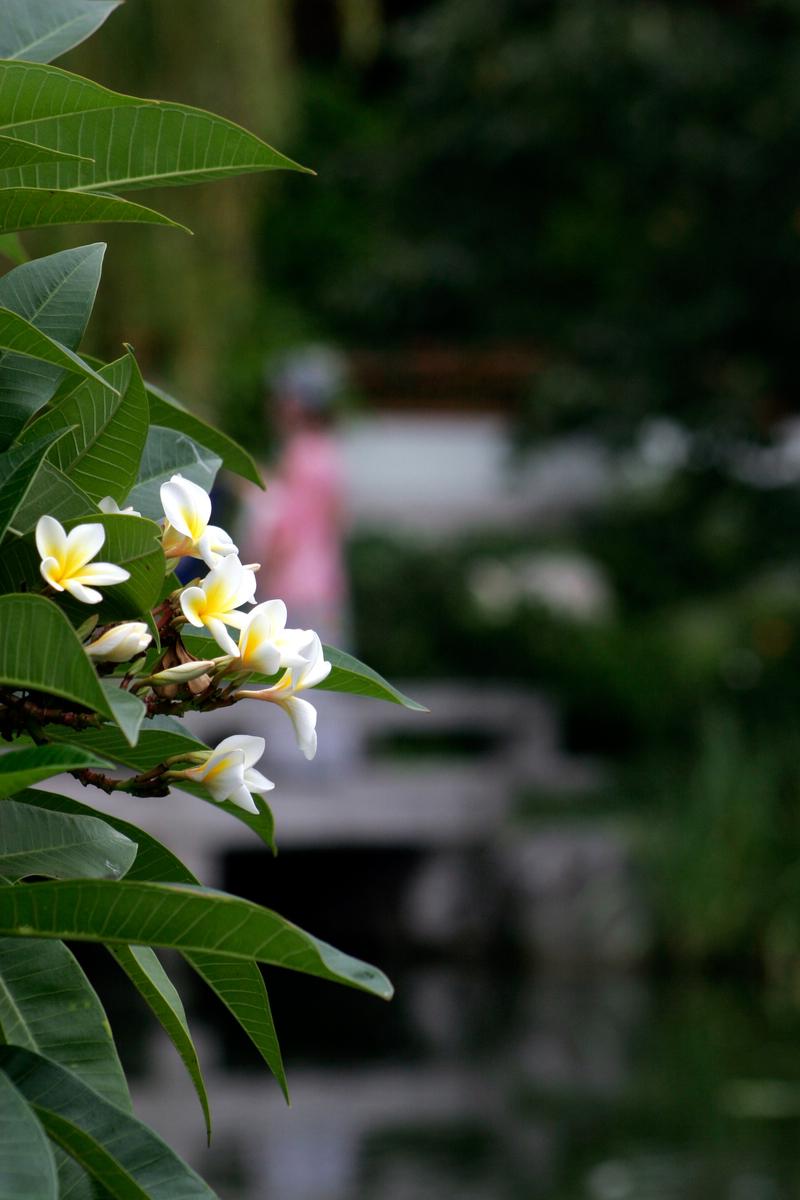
<point x="296" y="529"/>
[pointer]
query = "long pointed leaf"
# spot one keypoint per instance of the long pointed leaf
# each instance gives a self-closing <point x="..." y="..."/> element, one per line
<point x="179" y="917"/>
<point x="116" y="1149"/>
<point x="24" y="767"/>
<point x="241" y="988"/>
<point x="52" y="493"/>
<point x="169" y="413"/>
<point x="14" y="152"/>
<point x="40" y="981"/>
<point x="34" y="208"/>
<point x="17" y="469"/>
<point x="135" y="143"/>
<point x="27" y="1168"/>
<point x="40" y="30"/>
<point x="349" y="675"/>
<point x="40" y="652"/>
<point x="21" y="337"/>
<point x="105" y="427"/>
<point x="166" y="411"/>
<point x="166" y="453"/>
<point x="37" y="842"/>
<point x="239" y="984"/>
<point x="56" y="294"/>
<point x="148" y="976"/>
<point x="129" y="711"/>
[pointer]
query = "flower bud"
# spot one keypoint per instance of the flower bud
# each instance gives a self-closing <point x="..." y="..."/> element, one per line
<point x="183" y="672"/>
<point x="119" y="643"/>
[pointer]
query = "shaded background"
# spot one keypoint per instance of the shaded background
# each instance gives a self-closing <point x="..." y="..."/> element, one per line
<point x="559" y="245"/>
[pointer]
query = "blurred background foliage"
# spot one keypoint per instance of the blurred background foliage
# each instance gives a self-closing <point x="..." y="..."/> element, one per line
<point x="614" y="188"/>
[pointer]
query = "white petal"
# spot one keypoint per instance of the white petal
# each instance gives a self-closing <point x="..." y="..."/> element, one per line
<point x="256" y="644"/>
<point x="83" y="542"/>
<point x="217" y="629"/>
<point x="51" y="540"/>
<point x="304" y="719"/>
<point x="257" y="782"/>
<point x="186" y="506"/>
<point x="276" y="611"/>
<point x="86" y="595"/>
<point x="108" y="505"/>
<point x="214" y="545"/>
<point x="50" y="569"/>
<point x="264" y="657"/>
<point x="102" y="574"/>
<point x="251" y="747"/>
<point x="222" y="583"/>
<point x="293" y="645"/>
<point x="193" y="605"/>
<point x="242" y="799"/>
<point x="221" y="773"/>
<point x="316" y="668"/>
<point x="246" y="590"/>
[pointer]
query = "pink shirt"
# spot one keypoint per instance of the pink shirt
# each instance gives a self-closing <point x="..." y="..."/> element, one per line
<point x="295" y="529"/>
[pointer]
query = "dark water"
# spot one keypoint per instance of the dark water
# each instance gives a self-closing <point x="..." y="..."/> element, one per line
<point x="480" y="1085"/>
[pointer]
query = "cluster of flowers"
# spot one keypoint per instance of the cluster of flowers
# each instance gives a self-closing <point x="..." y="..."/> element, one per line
<point x="217" y="602"/>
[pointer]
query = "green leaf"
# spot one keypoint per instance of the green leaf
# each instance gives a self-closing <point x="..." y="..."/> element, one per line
<point x="34" y="208"/>
<point x="54" y="494"/>
<point x="135" y="544"/>
<point x="153" y="862"/>
<point x="56" y="294"/>
<point x="11" y="247"/>
<point x="104" y="431"/>
<point x="135" y="143"/>
<point x="40" y="30"/>
<point x="19" y="336"/>
<point x="239" y="984"/>
<point x="179" y="917"/>
<point x="21" y="768"/>
<point x="16" y="153"/>
<point x="129" y="711"/>
<point x="40" y="652"/>
<point x="37" y="842"/>
<point x="143" y="968"/>
<point x="17" y="469"/>
<point x="117" y="1150"/>
<point x="166" y="452"/>
<point x="162" y="738"/>
<point x="27" y="1169"/>
<point x="40" y="982"/>
<point x="349" y="675"/>
<point x="166" y="411"/>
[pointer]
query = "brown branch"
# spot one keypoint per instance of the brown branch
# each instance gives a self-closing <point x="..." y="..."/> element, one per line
<point x="148" y="783"/>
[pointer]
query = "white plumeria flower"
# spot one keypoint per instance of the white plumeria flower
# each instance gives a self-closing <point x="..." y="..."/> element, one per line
<point x="302" y="714"/>
<point x="66" y="564"/>
<point x="228" y="772"/>
<point x="120" y="642"/>
<point x="109" y="505"/>
<point x="215" y="602"/>
<point x="266" y="645"/>
<point x="187" y="508"/>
